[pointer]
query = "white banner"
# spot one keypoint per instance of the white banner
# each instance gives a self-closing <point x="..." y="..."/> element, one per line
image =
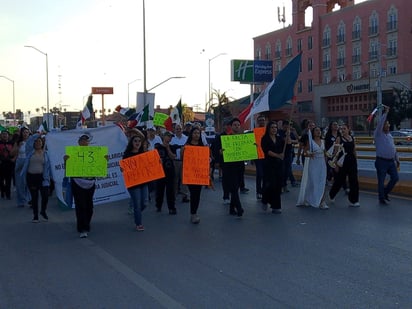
<point x="108" y="189"/>
<point x="150" y="100"/>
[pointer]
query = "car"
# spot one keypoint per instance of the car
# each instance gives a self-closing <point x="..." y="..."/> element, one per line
<point x="402" y="137"/>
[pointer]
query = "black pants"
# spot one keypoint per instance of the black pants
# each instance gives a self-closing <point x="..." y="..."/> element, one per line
<point x="6" y="172"/>
<point x="167" y="184"/>
<point x="34" y="183"/>
<point x="83" y="198"/>
<point x="194" y="197"/>
<point x="350" y="170"/>
<point x="234" y="174"/>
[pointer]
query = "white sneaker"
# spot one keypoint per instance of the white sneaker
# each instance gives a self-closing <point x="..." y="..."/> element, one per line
<point x="83" y="235"/>
<point x="323" y="206"/>
<point x="226" y="201"/>
<point x="354" y="204"/>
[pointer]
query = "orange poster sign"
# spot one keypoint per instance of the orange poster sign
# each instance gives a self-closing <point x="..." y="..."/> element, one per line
<point x="259" y="132"/>
<point x="142" y="168"/>
<point x="196" y="165"/>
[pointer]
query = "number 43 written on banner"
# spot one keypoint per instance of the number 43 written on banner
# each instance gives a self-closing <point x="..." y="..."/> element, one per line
<point x="86" y="161"/>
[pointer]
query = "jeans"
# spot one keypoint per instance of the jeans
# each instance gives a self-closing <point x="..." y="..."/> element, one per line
<point x="138" y="197"/>
<point x="34" y="183"/>
<point x="259" y="175"/>
<point x="23" y="194"/>
<point x="384" y="167"/>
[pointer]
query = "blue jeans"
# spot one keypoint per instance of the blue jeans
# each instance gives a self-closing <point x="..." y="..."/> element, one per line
<point x="384" y="167"/>
<point x="138" y="197"/>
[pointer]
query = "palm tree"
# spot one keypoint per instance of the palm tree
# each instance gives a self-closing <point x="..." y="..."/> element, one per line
<point x="220" y="108"/>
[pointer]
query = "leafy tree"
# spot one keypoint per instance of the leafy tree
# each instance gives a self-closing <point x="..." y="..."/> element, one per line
<point x="401" y="108"/>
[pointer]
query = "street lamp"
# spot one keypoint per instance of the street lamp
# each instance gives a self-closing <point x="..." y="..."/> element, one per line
<point x="161" y="83"/>
<point x="47" y="79"/>
<point x="210" y="85"/>
<point x="128" y="91"/>
<point x="14" y="106"/>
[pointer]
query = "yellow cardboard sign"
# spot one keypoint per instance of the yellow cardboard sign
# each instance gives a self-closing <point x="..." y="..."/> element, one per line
<point x="239" y="147"/>
<point x="196" y="165"/>
<point x="86" y="161"/>
<point x="142" y="168"/>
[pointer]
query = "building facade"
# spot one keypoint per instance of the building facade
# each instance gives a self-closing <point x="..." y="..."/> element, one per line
<point x="347" y="55"/>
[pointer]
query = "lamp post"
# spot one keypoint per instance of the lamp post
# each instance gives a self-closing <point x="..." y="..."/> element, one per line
<point x="161" y="83"/>
<point x="210" y="85"/>
<point x="128" y="91"/>
<point x="14" y="106"/>
<point x="47" y="73"/>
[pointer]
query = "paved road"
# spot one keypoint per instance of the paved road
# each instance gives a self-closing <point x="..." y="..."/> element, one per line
<point x="303" y="258"/>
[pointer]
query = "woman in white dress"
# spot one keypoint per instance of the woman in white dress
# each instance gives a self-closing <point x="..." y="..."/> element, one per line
<point x="312" y="189"/>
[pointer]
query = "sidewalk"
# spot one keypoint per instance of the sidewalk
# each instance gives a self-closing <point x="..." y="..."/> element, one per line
<point x="402" y="188"/>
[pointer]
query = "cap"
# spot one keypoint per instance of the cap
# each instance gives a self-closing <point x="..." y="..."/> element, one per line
<point x="150" y="127"/>
<point x="167" y="133"/>
<point x="86" y="137"/>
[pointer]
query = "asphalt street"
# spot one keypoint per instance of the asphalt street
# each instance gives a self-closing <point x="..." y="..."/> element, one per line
<point x="303" y="258"/>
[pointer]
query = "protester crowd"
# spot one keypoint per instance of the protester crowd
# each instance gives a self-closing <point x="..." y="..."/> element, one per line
<point x="327" y="161"/>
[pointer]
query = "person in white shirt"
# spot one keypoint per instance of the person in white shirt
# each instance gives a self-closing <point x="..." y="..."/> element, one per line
<point x="178" y="141"/>
<point x="152" y="138"/>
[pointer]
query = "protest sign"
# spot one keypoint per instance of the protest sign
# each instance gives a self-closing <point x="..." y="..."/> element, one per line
<point x="196" y="165"/>
<point x="239" y="147"/>
<point x="259" y="132"/>
<point x="86" y="161"/>
<point x="142" y="168"/>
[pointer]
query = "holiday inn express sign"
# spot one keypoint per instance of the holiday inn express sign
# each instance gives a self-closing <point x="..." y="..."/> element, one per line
<point x="251" y="71"/>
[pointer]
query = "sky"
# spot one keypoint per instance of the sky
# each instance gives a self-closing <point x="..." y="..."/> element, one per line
<point x="99" y="43"/>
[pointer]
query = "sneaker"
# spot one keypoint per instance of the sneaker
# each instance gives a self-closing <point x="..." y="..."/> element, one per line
<point x="323" y="206"/>
<point x="240" y="213"/>
<point x="172" y="211"/>
<point x="295" y="185"/>
<point x="331" y="200"/>
<point x="226" y="201"/>
<point x="285" y="189"/>
<point x="354" y="204"/>
<point x="383" y="202"/>
<point x="276" y="211"/>
<point x="185" y="200"/>
<point x="264" y="207"/>
<point x="140" y="228"/>
<point x="35" y="219"/>
<point x="244" y="190"/>
<point x="83" y="235"/>
<point x="259" y="196"/>
<point x="194" y="219"/>
<point x="386" y="198"/>
<point x="44" y="216"/>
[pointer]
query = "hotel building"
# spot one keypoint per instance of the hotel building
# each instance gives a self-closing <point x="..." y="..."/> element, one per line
<point x="347" y="55"/>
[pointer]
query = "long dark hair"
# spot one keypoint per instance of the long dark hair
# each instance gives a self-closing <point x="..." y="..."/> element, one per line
<point x="129" y="146"/>
<point x="190" y="136"/>
<point x="269" y="124"/>
<point x="20" y="139"/>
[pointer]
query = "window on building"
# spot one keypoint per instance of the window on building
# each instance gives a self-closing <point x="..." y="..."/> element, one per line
<point x="310" y="64"/>
<point x="299" y="86"/>
<point x="392" y="23"/>
<point x="340" y="60"/>
<point x="373" y="50"/>
<point x="268" y="52"/>
<point x="356" y="28"/>
<point x="373" y="24"/>
<point x="326" y="37"/>
<point x="288" y="50"/>
<point x="310" y="85"/>
<point x="391" y="50"/>
<point x="299" y="43"/>
<point x="356" y="56"/>
<point x="310" y="42"/>
<point x="392" y="69"/>
<point x="258" y="54"/>
<point x="341" y="33"/>
<point x="278" y="49"/>
<point x="326" y="61"/>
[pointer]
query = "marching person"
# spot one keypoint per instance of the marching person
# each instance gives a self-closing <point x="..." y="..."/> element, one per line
<point x="36" y="170"/>
<point x="273" y="148"/>
<point x="387" y="159"/>
<point x="138" y="194"/>
<point x="83" y="190"/>
<point x="347" y="168"/>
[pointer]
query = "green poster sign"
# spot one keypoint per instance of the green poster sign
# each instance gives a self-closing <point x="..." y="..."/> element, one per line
<point x="242" y="71"/>
<point x="239" y="147"/>
<point x="86" y="161"/>
<point x="159" y="119"/>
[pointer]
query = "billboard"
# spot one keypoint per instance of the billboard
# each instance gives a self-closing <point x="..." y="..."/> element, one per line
<point x="251" y="71"/>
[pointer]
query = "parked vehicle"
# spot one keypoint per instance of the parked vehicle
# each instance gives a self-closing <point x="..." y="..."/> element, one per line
<point x="402" y="137"/>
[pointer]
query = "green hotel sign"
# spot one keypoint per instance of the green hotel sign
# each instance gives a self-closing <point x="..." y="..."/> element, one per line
<point x="251" y="71"/>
